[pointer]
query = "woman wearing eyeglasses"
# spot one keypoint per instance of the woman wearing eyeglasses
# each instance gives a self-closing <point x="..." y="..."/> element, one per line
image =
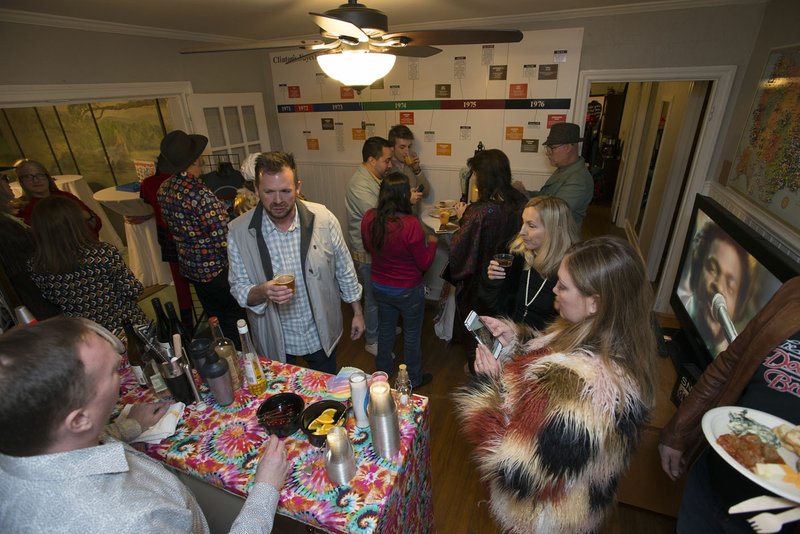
<point x="37" y="184"/>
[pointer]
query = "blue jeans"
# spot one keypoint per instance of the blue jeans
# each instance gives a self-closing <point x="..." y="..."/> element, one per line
<point x="411" y="305"/>
<point x="370" y="306"/>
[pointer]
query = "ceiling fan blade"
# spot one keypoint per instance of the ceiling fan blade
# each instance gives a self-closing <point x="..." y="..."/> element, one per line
<point x="457" y="37"/>
<point x="413" y="51"/>
<point x="270" y="44"/>
<point x="338" y="27"/>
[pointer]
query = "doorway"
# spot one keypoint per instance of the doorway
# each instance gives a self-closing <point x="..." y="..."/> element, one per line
<point x="665" y="213"/>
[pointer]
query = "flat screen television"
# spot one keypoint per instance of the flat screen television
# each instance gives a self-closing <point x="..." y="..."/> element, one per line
<point x="727" y="273"/>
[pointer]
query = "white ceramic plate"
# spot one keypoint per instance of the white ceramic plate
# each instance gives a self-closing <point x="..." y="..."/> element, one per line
<point x="715" y="424"/>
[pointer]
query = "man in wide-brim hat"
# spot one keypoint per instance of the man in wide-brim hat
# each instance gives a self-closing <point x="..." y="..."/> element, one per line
<point x="571" y="181"/>
<point x="198" y="222"/>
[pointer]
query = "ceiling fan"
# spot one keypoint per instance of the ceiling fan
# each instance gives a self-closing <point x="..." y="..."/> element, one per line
<point x="354" y="30"/>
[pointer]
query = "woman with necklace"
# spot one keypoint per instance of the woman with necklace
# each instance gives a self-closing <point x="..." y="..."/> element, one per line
<point x="524" y="291"/>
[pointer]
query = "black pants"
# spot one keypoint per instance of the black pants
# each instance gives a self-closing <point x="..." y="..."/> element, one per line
<point x="318" y="361"/>
<point x="215" y="296"/>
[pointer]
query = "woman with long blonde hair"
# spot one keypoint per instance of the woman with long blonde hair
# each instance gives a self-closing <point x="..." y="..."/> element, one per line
<point x="524" y="291"/>
<point x="557" y="417"/>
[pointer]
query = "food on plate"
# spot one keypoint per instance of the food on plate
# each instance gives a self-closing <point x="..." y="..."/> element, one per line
<point x="789" y="436"/>
<point x="436" y="212"/>
<point x="322" y="424"/>
<point x="740" y="424"/>
<point x="749" y="450"/>
<point x="771" y="471"/>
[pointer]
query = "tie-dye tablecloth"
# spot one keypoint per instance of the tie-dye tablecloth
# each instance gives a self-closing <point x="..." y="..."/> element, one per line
<point x="220" y="445"/>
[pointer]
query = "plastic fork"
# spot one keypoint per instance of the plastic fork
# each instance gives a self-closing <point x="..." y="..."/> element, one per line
<point x="768" y="522"/>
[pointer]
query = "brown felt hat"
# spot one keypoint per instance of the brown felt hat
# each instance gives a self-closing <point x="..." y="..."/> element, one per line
<point x="564" y="133"/>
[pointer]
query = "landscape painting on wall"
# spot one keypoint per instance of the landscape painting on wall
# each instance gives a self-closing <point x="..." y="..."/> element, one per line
<point x="767" y="165"/>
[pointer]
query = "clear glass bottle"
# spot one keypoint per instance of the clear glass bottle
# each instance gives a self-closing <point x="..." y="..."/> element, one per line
<point x="402" y="385"/>
<point x="225" y="348"/>
<point x="256" y="382"/>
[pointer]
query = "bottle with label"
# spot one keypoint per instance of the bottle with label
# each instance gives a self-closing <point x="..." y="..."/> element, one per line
<point x="135" y="352"/>
<point x="176" y="326"/>
<point x="153" y="373"/>
<point x="163" y="334"/>
<point x="402" y="386"/>
<point x="256" y="382"/>
<point x="225" y="349"/>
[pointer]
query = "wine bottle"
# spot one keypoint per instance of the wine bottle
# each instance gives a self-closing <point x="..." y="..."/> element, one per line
<point x="163" y="334"/>
<point x="176" y="326"/>
<point x="135" y="354"/>
<point x="225" y="348"/>
<point x="256" y="382"/>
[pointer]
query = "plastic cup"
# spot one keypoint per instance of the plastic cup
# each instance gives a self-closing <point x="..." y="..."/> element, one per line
<point x="409" y="159"/>
<point x="285" y="279"/>
<point x="504" y="260"/>
<point x="378" y="376"/>
<point x="444" y="216"/>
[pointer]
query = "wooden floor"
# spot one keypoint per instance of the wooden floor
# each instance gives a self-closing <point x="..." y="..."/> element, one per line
<point x="459" y="499"/>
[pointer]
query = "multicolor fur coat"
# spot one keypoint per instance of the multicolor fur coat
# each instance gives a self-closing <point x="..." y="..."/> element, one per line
<point x="553" y="433"/>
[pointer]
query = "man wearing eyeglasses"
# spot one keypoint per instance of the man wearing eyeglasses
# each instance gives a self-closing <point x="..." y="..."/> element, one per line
<point x="571" y="181"/>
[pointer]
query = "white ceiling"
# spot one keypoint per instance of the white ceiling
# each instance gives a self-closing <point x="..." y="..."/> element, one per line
<point x="231" y="20"/>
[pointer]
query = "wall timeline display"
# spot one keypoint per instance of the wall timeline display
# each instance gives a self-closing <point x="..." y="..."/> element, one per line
<point x="491" y="89"/>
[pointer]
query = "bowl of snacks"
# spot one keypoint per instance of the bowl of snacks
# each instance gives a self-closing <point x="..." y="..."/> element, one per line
<point x="320" y="417"/>
<point x="280" y="414"/>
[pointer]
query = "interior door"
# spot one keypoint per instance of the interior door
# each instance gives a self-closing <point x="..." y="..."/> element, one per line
<point x="235" y="123"/>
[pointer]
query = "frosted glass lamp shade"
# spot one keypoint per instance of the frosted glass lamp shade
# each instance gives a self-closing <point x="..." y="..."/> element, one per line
<point x="356" y="68"/>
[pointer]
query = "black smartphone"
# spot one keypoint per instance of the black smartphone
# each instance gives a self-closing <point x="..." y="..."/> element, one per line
<point x="420" y="188"/>
<point x="482" y="334"/>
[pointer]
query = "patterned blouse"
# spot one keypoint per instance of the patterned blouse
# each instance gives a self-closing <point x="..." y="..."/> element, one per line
<point x="199" y="225"/>
<point x="102" y="289"/>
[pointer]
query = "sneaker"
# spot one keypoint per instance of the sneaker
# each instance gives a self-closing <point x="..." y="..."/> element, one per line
<point x="426" y="379"/>
<point x="372" y="348"/>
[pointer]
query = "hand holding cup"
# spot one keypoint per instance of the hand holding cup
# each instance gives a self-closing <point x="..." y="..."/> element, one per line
<point x="280" y="289"/>
<point x="499" y="265"/>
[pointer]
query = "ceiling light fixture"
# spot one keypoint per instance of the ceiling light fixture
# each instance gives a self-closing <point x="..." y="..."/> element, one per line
<point x="357" y="68"/>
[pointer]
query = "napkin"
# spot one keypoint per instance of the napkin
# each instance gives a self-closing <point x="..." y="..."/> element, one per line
<point x="131" y="187"/>
<point x="339" y="385"/>
<point x="164" y="428"/>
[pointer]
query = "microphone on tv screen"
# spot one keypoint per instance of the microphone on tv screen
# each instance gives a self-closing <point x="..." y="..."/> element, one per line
<point x="720" y="310"/>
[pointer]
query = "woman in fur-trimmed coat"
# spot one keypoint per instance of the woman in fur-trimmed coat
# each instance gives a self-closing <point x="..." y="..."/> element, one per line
<point x="554" y="423"/>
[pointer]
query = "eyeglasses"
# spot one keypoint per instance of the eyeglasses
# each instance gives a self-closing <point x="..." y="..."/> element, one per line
<point x="550" y="148"/>
<point x="39" y="175"/>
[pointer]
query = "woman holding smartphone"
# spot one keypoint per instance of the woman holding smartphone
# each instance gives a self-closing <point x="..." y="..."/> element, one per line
<point x="401" y="253"/>
<point x="555" y="423"/>
<point x="524" y="290"/>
